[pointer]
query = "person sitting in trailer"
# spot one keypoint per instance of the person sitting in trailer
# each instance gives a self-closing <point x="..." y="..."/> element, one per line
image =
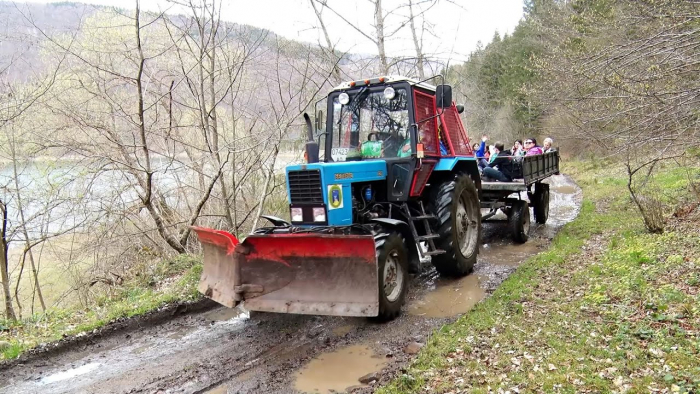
<point x="480" y="154"/>
<point x="517" y="149"/>
<point x="547" y="145"/>
<point x="532" y="147"/>
<point x="500" y="168"/>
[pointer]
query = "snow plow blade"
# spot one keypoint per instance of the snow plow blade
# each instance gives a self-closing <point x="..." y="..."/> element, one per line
<point x="303" y="273"/>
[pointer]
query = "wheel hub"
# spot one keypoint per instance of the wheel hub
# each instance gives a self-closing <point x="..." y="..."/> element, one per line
<point x="526" y="221"/>
<point x="393" y="277"/>
<point x="465" y="225"/>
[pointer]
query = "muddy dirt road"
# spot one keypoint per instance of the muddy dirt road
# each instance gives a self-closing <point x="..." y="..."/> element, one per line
<point x="229" y="351"/>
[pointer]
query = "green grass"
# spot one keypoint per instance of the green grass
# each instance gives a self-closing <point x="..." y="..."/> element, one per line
<point x="608" y="308"/>
<point x="173" y="280"/>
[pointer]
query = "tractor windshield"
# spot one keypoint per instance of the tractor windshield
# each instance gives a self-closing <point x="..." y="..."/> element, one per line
<point x="373" y="124"/>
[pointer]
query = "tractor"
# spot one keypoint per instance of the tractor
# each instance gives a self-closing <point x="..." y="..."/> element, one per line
<point x="389" y="179"/>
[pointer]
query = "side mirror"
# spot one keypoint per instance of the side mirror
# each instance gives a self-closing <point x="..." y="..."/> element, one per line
<point x="443" y="96"/>
<point x="319" y="120"/>
<point x="460" y="108"/>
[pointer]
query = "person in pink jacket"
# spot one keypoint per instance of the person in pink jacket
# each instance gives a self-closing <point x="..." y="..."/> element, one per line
<point x="532" y="147"/>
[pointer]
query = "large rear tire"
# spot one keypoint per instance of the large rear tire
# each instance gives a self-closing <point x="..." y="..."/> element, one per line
<point x="519" y="221"/>
<point x="392" y="268"/>
<point x="541" y="203"/>
<point x="456" y="205"/>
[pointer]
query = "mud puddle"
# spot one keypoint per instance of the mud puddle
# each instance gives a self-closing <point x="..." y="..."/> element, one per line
<point x="70" y="374"/>
<point x="449" y="298"/>
<point x="564" y="189"/>
<point x="510" y="254"/>
<point x="338" y="370"/>
<point x="218" y="390"/>
<point x="343" y="330"/>
<point x="225" y="314"/>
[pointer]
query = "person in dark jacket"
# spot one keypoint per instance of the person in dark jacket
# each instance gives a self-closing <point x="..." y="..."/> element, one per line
<point x="501" y="167"/>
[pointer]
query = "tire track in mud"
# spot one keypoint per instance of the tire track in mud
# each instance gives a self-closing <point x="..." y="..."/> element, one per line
<point x="225" y="350"/>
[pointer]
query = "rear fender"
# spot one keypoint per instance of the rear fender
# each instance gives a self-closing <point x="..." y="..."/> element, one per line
<point x="447" y="167"/>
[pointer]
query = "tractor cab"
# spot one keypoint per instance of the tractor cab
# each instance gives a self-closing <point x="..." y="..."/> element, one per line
<point x="370" y="123"/>
<point x="383" y="118"/>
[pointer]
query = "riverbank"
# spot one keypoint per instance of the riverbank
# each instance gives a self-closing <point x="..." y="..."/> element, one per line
<point x="610" y="307"/>
<point x="172" y="282"/>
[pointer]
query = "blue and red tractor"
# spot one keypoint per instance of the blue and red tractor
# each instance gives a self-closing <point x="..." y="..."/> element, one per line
<point x="394" y="181"/>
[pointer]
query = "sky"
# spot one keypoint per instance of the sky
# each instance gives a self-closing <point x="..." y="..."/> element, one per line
<point x="457" y="25"/>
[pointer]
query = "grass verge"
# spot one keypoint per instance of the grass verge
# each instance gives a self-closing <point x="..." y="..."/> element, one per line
<point x="608" y="308"/>
<point x="169" y="281"/>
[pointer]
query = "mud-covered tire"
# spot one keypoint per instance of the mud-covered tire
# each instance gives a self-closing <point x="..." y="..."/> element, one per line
<point x="541" y="203"/>
<point x="456" y="205"/>
<point x="392" y="259"/>
<point x="519" y="221"/>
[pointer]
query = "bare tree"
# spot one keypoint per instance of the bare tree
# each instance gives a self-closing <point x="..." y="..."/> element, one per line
<point x="387" y="23"/>
<point x="631" y="92"/>
<point x="4" y="262"/>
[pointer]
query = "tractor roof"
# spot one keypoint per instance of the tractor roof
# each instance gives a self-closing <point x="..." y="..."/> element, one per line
<point x="384" y="80"/>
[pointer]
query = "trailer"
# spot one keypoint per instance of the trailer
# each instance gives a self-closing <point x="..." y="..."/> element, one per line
<point x="508" y="198"/>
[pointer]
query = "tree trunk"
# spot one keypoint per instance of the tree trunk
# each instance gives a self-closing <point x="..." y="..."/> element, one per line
<point x="416" y="43"/>
<point x="4" y="264"/>
<point x="147" y="184"/>
<point x="269" y="175"/>
<point x="25" y="233"/>
<point x="329" y="44"/>
<point x="212" y="110"/>
<point x="379" y="21"/>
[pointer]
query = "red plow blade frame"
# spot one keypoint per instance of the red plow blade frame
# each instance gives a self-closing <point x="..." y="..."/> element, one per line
<point x="305" y="273"/>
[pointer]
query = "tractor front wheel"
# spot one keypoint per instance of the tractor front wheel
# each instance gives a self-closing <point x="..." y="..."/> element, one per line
<point x="456" y="205"/>
<point x="392" y="266"/>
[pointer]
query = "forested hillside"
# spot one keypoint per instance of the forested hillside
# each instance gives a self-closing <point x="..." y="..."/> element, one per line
<point x="600" y="76"/>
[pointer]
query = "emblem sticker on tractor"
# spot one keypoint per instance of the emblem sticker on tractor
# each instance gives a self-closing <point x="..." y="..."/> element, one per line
<point x="335" y="196"/>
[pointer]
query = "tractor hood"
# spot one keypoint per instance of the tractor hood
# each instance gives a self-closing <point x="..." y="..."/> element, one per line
<point x="329" y="185"/>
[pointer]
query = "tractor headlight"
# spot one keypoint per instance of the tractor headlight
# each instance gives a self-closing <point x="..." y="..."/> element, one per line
<point x="297" y="215"/>
<point x="389" y="93"/>
<point x="319" y="215"/>
<point x="344" y="98"/>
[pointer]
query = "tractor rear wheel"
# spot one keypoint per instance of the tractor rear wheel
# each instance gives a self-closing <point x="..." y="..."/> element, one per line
<point x="456" y="205"/>
<point x="519" y="221"/>
<point x="541" y="202"/>
<point x="392" y="268"/>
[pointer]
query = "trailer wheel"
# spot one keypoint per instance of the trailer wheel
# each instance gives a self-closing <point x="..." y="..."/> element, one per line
<point x="457" y="207"/>
<point x="541" y="203"/>
<point x="392" y="267"/>
<point x="519" y="221"/>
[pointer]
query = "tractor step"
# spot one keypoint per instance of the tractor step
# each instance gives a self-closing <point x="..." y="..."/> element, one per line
<point x="434" y="252"/>
<point x="427" y="237"/>
<point x="423" y="217"/>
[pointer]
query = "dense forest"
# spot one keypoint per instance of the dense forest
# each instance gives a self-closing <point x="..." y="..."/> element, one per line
<point x="120" y="129"/>
<point x="606" y="79"/>
<point x="598" y="74"/>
